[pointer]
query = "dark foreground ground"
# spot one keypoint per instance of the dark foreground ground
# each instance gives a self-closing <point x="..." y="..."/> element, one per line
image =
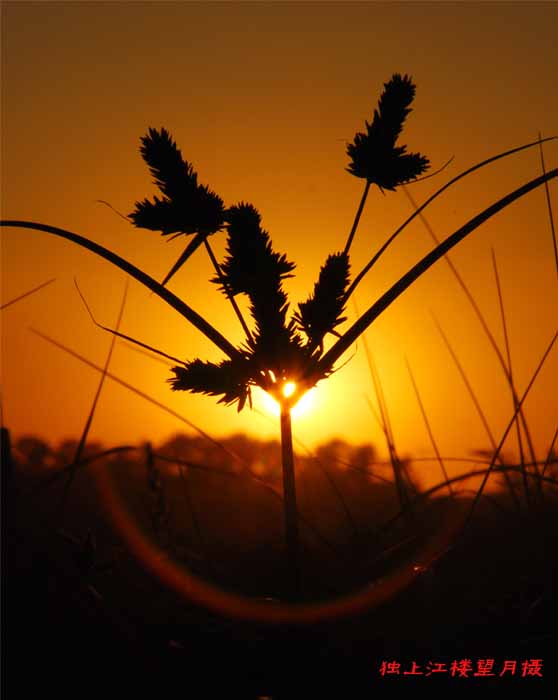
<point x="483" y="617"/>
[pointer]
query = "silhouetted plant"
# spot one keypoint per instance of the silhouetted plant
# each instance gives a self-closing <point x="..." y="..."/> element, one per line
<point x="281" y="355"/>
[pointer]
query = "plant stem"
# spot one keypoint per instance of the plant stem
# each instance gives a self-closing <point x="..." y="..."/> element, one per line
<point x="289" y="495"/>
<point x="357" y="217"/>
<point x="227" y="290"/>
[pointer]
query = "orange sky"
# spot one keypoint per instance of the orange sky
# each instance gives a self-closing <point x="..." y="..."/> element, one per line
<point x="262" y="99"/>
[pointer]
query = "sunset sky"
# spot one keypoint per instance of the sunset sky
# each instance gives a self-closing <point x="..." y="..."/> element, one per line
<point x="262" y="99"/>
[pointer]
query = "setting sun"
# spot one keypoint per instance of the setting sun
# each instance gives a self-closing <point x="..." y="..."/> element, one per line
<point x="268" y="404"/>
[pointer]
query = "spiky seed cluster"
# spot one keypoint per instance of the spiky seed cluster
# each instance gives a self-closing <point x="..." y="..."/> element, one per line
<point x="322" y="312"/>
<point x="186" y="207"/>
<point x="276" y="350"/>
<point x="374" y="155"/>
<point x="232" y="379"/>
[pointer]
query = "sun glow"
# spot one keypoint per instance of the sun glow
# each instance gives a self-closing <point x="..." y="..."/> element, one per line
<point x="302" y="407"/>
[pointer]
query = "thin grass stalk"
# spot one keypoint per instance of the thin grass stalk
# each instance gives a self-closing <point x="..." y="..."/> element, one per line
<point x="510" y="374"/>
<point x="357" y="217"/>
<point x="289" y="490"/>
<point x="549" y="206"/>
<point x="26" y="294"/>
<point x="424" y="495"/>
<point x="89" y="421"/>
<point x="461" y="175"/>
<point x="509" y="427"/>
<point x="228" y="292"/>
<point x="385" y="422"/>
<point x="172" y="300"/>
<point x="428" y="428"/>
<point x="550" y="454"/>
<point x="143" y="395"/>
<point x="477" y="406"/>
<point x="6" y="478"/>
<point x="483" y="323"/>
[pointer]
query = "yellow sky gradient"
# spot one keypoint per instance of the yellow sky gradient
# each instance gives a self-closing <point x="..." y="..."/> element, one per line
<point x="262" y="99"/>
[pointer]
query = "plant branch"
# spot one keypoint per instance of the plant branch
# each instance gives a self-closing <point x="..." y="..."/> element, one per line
<point x="289" y="495"/>
<point x="357" y="217"/>
<point x="227" y="289"/>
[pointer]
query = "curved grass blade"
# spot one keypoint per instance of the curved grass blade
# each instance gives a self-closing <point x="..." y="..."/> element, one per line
<point x="349" y="337"/>
<point x="486" y="329"/>
<point x="172" y="300"/>
<point x="461" y="175"/>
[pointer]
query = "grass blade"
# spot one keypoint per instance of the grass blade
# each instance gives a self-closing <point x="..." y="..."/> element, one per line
<point x="549" y="205"/>
<point x="140" y="393"/>
<point x="509" y="427"/>
<point x="172" y="300"/>
<point x="349" y="337"/>
<point x="461" y="175"/>
<point x="89" y="421"/>
<point x="429" y="429"/>
<point x="26" y="294"/>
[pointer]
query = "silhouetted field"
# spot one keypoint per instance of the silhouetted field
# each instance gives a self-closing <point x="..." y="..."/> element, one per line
<point x="79" y="610"/>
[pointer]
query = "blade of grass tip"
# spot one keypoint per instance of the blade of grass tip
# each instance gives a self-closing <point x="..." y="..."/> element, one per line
<point x="143" y="395"/>
<point x="508" y="428"/>
<point x="89" y="421"/>
<point x="551" y="456"/>
<point x="109" y="205"/>
<point x="428" y="427"/>
<point x="549" y="205"/>
<point x="326" y="363"/>
<point x="461" y="175"/>
<point x="150" y="354"/>
<point x="123" y="335"/>
<point x="172" y="300"/>
<point x="481" y="319"/>
<point x="26" y="294"/>
<point x="477" y="406"/>
<point x="191" y="248"/>
<point x="385" y="423"/>
<point x="511" y="381"/>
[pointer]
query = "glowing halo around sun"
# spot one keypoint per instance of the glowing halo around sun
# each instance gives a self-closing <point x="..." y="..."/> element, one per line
<point x="301" y="408"/>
